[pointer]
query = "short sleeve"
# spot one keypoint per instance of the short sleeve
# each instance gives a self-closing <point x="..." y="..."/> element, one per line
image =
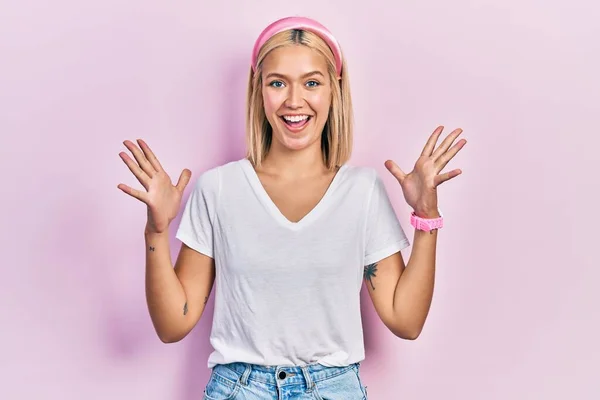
<point x="198" y="219"/>
<point x="384" y="234"/>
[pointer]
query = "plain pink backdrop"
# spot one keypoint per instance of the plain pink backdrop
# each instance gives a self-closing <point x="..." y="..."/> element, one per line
<point x="514" y="314"/>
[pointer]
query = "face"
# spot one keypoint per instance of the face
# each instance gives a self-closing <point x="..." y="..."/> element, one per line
<point x="297" y="96"/>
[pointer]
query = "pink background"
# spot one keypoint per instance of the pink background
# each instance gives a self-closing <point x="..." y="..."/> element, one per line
<point x="514" y="314"/>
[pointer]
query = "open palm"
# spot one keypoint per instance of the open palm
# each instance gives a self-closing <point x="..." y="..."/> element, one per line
<point x="420" y="185"/>
<point x="162" y="198"/>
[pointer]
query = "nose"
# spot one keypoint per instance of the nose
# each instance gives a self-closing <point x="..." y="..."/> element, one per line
<point x="294" y="98"/>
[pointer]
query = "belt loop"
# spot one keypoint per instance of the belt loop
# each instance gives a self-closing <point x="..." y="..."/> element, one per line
<point x="309" y="382"/>
<point x="245" y="375"/>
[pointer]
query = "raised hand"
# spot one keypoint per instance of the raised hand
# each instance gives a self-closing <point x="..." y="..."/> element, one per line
<point x="420" y="185"/>
<point x="162" y="198"/>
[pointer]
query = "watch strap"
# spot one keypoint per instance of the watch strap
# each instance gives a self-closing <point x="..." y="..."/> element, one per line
<point x="426" y="224"/>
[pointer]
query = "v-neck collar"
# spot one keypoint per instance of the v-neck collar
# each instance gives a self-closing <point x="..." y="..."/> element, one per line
<point x="274" y="211"/>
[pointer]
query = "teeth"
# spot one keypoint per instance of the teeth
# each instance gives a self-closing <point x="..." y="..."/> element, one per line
<point x="295" y="118"/>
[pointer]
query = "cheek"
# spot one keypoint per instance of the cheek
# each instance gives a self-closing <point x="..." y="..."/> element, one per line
<point x="321" y="104"/>
<point x="272" y="102"/>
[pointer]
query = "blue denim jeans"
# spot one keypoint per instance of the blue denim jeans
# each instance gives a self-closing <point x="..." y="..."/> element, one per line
<point x="241" y="381"/>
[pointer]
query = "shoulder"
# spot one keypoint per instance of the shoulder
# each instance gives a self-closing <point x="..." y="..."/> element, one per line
<point x="207" y="180"/>
<point x="361" y="177"/>
<point x="210" y="180"/>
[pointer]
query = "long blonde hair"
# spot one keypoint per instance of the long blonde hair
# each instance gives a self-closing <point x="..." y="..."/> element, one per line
<point x="336" y="142"/>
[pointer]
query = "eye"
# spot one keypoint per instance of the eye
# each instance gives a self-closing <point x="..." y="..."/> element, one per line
<point x="276" y="84"/>
<point x="312" y="83"/>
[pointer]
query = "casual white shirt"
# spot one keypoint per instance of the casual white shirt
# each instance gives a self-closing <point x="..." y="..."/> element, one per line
<point x="288" y="293"/>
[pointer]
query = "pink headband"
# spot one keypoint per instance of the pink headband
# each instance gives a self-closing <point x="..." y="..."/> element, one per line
<point x="303" y="23"/>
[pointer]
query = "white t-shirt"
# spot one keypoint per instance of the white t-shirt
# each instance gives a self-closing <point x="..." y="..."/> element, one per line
<point x="289" y="293"/>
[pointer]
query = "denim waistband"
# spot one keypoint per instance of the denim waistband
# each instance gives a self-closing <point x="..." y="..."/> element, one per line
<point x="286" y="375"/>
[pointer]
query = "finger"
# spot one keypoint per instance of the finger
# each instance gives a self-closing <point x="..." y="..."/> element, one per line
<point x="150" y="155"/>
<point x="184" y="178"/>
<point x="446" y="143"/>
<point x="141" y="196"/>
<point x="395" y="170"/>
<point x="135" y="169"/>
<point x="430" y="145"/>
<point x="449" y="155"/>
<point x="439" y="179"/>
<point x="140" y="158"/>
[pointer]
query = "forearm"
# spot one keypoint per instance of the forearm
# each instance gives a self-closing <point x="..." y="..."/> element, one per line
<point x="414" y="290"/>
<point x="165" y="296"/>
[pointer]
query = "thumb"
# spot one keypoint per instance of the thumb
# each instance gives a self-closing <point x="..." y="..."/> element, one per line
<point x="395" y="170"/>
<point x="184" y="179"/>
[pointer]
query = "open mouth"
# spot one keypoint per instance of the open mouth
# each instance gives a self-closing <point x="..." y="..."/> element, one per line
<point x="297" y="121"/>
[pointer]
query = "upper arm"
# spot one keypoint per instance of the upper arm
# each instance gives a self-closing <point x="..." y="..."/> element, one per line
<point x="384" y="240"/>
<point x="195" y="266"/>
<point x="381" y="279"/>
<point x="196" y="272"/>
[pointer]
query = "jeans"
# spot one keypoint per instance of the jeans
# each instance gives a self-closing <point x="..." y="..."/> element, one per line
<point x="241" y="381"/>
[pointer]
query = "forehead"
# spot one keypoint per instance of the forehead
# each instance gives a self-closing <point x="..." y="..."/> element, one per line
<point x="294" y="60"/>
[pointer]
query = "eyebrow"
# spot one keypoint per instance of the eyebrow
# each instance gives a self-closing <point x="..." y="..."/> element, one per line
<point x="276" y="75"/>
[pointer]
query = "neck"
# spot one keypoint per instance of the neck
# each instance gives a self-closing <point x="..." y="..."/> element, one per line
<point x="294" y="164"/>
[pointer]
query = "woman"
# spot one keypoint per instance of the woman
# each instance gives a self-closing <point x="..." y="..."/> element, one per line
<point x="289" y="232"/>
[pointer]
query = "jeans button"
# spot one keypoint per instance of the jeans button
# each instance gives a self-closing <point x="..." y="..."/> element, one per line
<point x="282" y="375"/>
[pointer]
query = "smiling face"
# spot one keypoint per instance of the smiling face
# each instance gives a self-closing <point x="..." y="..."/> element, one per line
<point x="296" y="92"/>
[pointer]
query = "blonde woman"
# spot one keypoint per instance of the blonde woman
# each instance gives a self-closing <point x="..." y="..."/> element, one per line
<point x="288" y="233"/>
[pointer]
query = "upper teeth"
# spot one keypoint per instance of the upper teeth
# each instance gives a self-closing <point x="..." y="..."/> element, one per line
<point x="295" y="118"/>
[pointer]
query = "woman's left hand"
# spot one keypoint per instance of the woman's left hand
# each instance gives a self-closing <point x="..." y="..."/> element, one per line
<point x="420" y="185"/>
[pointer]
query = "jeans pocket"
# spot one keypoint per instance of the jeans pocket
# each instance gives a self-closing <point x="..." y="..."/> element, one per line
<point x="363" y="388"/>
<point x="222" y="386"/>
<point x="343" y="386"/>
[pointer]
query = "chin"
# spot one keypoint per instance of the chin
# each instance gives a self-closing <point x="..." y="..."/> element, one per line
<point x="297" y="141"/>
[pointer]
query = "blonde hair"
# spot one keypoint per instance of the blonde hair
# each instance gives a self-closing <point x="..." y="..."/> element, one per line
<point x="336" y="140"/>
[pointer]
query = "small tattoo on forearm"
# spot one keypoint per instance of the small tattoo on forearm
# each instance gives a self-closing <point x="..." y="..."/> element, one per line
<point x="370" y="273"/>
<point x="185" y="309"/>
<point x="151" y="248"/>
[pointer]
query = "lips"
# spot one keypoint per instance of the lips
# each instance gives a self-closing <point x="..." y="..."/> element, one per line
<point x="296" y="123"/>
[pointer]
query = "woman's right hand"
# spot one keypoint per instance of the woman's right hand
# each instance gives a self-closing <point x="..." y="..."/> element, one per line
<point x="161" y="197"/>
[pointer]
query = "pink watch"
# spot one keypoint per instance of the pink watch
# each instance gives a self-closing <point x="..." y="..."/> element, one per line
<point x="426" y="224"/>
